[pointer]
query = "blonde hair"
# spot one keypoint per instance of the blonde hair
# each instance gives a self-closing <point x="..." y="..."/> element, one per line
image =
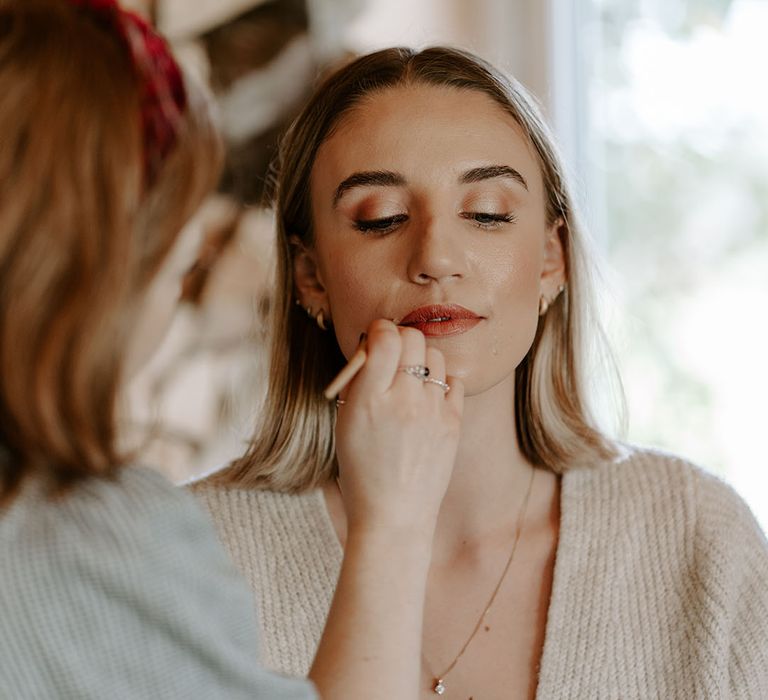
<point x="293" y="448"/>
<point x="81" y="236"/>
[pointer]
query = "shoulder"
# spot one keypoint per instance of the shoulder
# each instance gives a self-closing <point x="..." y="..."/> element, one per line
<point x="129" y="510"/>
<point x="255" y="524"/>
<point x="128" y="577"/>
<point x="641" y="473"/>
<point x="635" y="466"/>
<point x="657" y="491"/>
<point x="124" y="537"/>
<point x="260" y="505"/>
<point x="698" y="521"/>
<point x="276" y="540"/>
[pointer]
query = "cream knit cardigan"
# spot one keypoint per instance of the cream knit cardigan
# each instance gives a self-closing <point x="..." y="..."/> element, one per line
<point x="660" y="585"/>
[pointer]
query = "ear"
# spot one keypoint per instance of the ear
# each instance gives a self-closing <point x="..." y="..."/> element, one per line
<point x="308" y="285"/>
<point x="553" y="272"/>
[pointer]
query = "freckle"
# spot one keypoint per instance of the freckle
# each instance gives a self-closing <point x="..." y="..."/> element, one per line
<point x="487" y="628"/>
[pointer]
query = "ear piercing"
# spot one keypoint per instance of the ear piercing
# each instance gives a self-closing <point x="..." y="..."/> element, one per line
<point x="545" y="303"/>
<point x="319" y="317"/>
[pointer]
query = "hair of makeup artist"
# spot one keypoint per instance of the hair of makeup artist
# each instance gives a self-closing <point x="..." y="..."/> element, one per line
<point x="82" y="233"/>
<point x="293" y="447"/>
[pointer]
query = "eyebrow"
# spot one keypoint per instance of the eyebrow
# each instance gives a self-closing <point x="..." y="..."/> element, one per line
<point x="375" y="178"/>
<point x="490" y="172"/>
<point x="387" y="178"/>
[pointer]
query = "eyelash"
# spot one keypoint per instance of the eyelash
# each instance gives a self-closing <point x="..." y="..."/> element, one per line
<point x="380" y="226"/>
<point x="487" y="220"/>
<point x="480" y="219"/>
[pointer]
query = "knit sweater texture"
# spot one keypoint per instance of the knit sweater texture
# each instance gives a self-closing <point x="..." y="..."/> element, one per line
<point x="660" y="586"/>
<point x="121" y="590"/>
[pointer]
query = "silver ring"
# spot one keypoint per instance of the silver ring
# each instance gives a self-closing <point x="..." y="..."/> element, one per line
<point x="418" y="371"/>
<point x="431" y="380"/>
<point x="340" y="402"/>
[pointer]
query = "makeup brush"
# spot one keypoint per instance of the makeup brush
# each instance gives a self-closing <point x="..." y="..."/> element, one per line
<point x="348" y="373"/>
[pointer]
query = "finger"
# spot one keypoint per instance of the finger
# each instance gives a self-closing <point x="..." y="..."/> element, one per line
<point x="454" y="399"/>
<point x="412" y="354"/>
<point x="383" y="348"/>
<point x="436" y="363"/>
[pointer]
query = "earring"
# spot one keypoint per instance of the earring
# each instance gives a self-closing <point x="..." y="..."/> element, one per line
<point x="545" y="303"/>
<point x="318" y="317"/>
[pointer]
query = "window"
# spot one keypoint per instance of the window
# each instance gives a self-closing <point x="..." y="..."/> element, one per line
<point x="679" y="127"/>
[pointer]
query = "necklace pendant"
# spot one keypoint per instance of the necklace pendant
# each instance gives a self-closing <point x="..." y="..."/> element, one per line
<point x="438" y="688"/>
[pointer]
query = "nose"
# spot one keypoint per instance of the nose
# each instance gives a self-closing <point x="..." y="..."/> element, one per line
<point x="436" y="253"/>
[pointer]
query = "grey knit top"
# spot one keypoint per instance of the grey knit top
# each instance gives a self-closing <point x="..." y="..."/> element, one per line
<point x="120" y="590"/>
<point x="660" y="586"/>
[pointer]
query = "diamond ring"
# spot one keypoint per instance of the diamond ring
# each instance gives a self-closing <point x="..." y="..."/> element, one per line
<point x="418" y="371"/>
<point x="431" y="380"/>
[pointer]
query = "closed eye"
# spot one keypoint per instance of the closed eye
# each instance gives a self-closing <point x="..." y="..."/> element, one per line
<point x="488" y="220"/>
<point x="383" y="225"/>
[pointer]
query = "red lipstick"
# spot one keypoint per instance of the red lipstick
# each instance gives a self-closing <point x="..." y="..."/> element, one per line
<point x="441" y="319"/>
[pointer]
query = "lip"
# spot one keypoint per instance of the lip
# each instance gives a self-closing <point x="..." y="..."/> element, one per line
<point x="441" y="319"/>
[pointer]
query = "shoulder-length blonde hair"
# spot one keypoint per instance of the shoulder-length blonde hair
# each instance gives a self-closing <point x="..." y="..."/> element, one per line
<point x="81" y="235"/>
<point x="293" y="448"/>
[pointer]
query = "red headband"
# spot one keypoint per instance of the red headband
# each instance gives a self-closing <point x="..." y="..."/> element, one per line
<point x="163" y="97"/>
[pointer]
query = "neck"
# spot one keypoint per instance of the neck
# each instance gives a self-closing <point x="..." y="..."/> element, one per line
<point x="490" y="476"/>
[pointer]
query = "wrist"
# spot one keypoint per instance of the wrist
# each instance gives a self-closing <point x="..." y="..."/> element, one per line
<point x="391" y="541"/>
<point x="389" y="523"/>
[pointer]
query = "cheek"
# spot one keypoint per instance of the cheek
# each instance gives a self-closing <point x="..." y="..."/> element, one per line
<point x="518" y="297"/>
<point x="516" y="276"/>
<point x="511" y="283"/>
<point x="513" y="275"/>
<point x="354" y="297"/>
<point x="519" y="320"/>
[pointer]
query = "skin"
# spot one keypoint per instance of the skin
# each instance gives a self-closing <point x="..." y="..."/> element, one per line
<point x="437" y="256"/>
<point x="443" y="247"/>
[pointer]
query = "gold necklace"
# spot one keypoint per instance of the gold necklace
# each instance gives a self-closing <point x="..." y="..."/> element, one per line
<point x="438" y="681"/>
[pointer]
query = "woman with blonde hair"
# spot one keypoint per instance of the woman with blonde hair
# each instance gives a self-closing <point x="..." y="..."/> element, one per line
<point x="424" y="189"/>
<point x="112" y="583"/>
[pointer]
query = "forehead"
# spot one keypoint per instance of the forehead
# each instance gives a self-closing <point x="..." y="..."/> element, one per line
<point x="426" y="132"/>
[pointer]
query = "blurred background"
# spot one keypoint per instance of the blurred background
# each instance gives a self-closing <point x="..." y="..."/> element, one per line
<point x="661" y="109"/>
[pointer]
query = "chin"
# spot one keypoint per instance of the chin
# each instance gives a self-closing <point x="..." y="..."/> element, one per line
<point x="478" y="381"/>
